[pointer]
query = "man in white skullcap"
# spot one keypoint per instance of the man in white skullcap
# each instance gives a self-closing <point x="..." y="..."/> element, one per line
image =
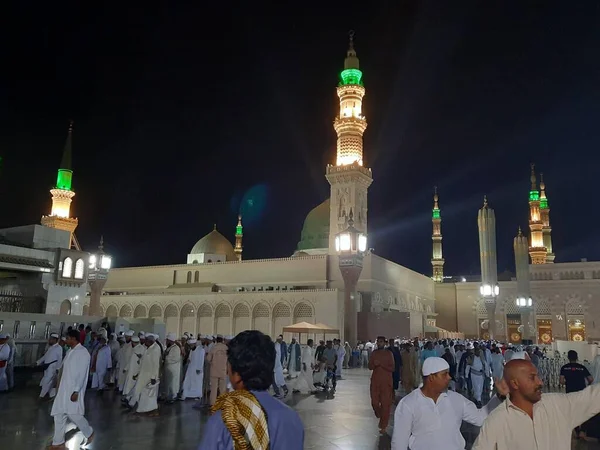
<point x="114" y="350"/>
<point x="52" y="360"/>
<point x="101" y="364"/>
<point x="430" y="417"/>
<point x="124" y="358"/>
<point x="172" y="368"/>
<point x="4" y="358"/>
<point x="146" y="389"/>
<point x="132" y="369"/>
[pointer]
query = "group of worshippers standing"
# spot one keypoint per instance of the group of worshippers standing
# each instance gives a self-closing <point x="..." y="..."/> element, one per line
<point x="517" y="416"/>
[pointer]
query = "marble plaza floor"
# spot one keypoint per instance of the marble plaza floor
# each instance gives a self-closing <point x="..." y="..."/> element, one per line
<point x="344" y="421"/>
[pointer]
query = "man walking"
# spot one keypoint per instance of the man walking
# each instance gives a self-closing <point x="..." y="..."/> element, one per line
<point x="382" y="389"/>
<point x="69" y="401"/>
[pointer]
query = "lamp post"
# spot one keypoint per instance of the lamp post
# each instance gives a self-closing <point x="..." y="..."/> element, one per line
<point x="350" y="246"/>
<point x="99" y="266"/>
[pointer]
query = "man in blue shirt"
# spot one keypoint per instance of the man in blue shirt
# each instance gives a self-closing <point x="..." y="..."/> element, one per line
<point x="249" y="415"/>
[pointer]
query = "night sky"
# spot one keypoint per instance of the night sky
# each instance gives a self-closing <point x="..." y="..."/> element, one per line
<point x="185" y="114"/>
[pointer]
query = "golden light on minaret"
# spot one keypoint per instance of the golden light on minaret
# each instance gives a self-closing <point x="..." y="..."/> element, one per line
<point x="437" y="261"/>
<point x="348" y="178"/>
<point x="350" y="124"/>
<point x="545" y="217"/>
<point x="537" y="250"/>
<point x="62" y="194"/>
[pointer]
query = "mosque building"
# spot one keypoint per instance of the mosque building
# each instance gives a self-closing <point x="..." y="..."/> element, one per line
<point x="217" y="291"/>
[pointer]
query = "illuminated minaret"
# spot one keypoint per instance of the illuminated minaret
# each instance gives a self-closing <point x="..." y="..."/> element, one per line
<point x="489" y="290"/>
<point x="239" y="234"/>
<point x="523" y="300"/>
<point x="348" y="178"/>
<point x="545" y="215"/>
<point x="537" y="251"/>
<point x="62" y="195"/>
<point x="437" y="261"/>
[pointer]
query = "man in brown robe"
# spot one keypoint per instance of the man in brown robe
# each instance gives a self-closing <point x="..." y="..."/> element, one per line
<point x="408" y="369"/>
<point x="382" y="365"/>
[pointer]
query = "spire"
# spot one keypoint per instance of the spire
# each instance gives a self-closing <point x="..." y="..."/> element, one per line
<point x="101" y="246"/>
<point x="520" y="233"/>
<point x="437" y="260"/>
<point x="532" y="178"/>
<point x="351" y="61"/>
<point x="351" y="75"/>
<point x="239" y="228"/>
<point x="485" y="202"/>
<point x="239" y="234"/>
<point x="435" y="212"/>
<point x="65" y="172"/>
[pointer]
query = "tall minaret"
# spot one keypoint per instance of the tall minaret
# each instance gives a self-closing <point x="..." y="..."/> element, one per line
<point x="437" y="261"/>
<point x="348" y="178"/>
<point x="537" y="251"/>
<point x="489" y="290"/>
<point x="239" y="234"/>
<point x="524" y="301"/>
<point x="62" y="194"/>
<point x="545" y="215"/>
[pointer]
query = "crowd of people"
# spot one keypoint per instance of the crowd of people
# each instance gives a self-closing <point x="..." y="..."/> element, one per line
<point x="441" y="384"/>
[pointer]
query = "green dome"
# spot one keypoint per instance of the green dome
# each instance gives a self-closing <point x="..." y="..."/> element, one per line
<point x="315" y="232"/>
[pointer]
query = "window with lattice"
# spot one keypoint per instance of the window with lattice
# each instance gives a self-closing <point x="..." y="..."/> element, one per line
<point x="241" y="311"/>
<point x="155" y="311"/>
<point x="510" y="307"/>
<point x="542" y="307"/>
<point x="204" y="311"/>
<point x="281" y="310"/>
<point x="187" y="311"/>
<point x="261" y="310"/>
<point x="140" y="311"/>
<point x="171" y="311"/>
<point x="222" y="311"/>
<point x="111" y="311"/>
<point x="481" y="309"/>
<point x="575" y="306"/>
<point x="303" y="310"/>
<point x="126" y="311"/>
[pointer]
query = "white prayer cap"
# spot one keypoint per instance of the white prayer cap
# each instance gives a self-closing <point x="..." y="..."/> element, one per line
<point x="519" y="355"/>
<point x="129" y="333"/>
<point x="150" y="336"/>
<point x="3" y="336"/>
<point x="228" y="337"/>
<point x="135" y="339"/>
<point x="186" y="334"/>
<point x="433" y="364"/>
<point x="171" y="337"/>
<point x="141" y="333"/>
<point x="54" y="335"/>
<point x="192" y="341"/>
<point x="470" y="346"/>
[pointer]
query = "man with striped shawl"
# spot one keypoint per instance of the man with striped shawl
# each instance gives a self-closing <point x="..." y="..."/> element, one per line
<point x="249" y="418"/>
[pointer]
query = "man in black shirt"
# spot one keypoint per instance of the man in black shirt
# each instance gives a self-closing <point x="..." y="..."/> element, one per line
<point x="574" y="376"/>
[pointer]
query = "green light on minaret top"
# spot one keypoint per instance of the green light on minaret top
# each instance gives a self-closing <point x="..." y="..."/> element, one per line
<point x="351" y="75"/>
<point x="435" y="214"/>
<point x="65" y="172"/>
<point x="544" y="203"/>
<point x="534" y="196"/>
<point x="239" y="229"/>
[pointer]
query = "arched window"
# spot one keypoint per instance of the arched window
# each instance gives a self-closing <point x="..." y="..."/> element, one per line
<point x="189" y="277"/>
<point x="67" y="271"/>
<point x="79" y="269"/>
<point x="196" y="277"/>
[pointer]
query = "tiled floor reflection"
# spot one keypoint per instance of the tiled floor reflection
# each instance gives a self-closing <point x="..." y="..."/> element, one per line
<point x="345" y="422"/>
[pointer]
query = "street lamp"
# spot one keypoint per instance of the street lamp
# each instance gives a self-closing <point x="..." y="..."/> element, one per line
<point x="350" y="246"/>
<point x="99" y="266"/>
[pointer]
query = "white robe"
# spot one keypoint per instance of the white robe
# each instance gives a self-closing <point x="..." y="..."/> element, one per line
<point x="172" y="371"/>
<point x="341" y="352"/>
<point x="292" y="360"/>
<point x="305" y="379"/>
<point x="192" y="384"/>
<point x="53" y="355"/>
<point x="497" y="365"/>
<point x="115" y="347"/>
<point x="4" y="356"/>
<point x="75" y="370"/>
<point x="596" y="369"/>
<point x="278" y="369"/>
<point x="133" y="369"/>
<point x="124" y="358"/>
<point x="103" y="363"/>
<point x="145" y="394"/>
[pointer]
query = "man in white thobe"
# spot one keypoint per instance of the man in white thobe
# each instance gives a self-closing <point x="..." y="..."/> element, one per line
<point x="341" y="352"/>
<point x="133" y="368"/>
<point x="295" y="359"/>
<point x="172" y="368"/>
<point x="278" y="379"/>
<point x="114" y="350"/>
<point x="124" y="357"/>
<point x="4" y="357"/>
<point x="145" y="393"/>
<point x="478" y="370"/>
<point x="101" y="365"/>
<point x="69" y="400"/>
<point x="194" y="375"/>
<point x="52" y="359"/>
<point x="305" y="379"/>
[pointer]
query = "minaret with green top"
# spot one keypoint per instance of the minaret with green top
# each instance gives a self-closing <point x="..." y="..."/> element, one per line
<point x="545" y="215"/>
<point x="62" y="194"/>
<point x="348" y="177"/>
<point x="437" y="261"/>
<point x="537" y="251"/>
<point x="239" y="234"/>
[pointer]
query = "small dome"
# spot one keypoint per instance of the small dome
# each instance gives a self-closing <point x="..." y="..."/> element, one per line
<point x="315" y="232"/>
<point x="216" y="244"/>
